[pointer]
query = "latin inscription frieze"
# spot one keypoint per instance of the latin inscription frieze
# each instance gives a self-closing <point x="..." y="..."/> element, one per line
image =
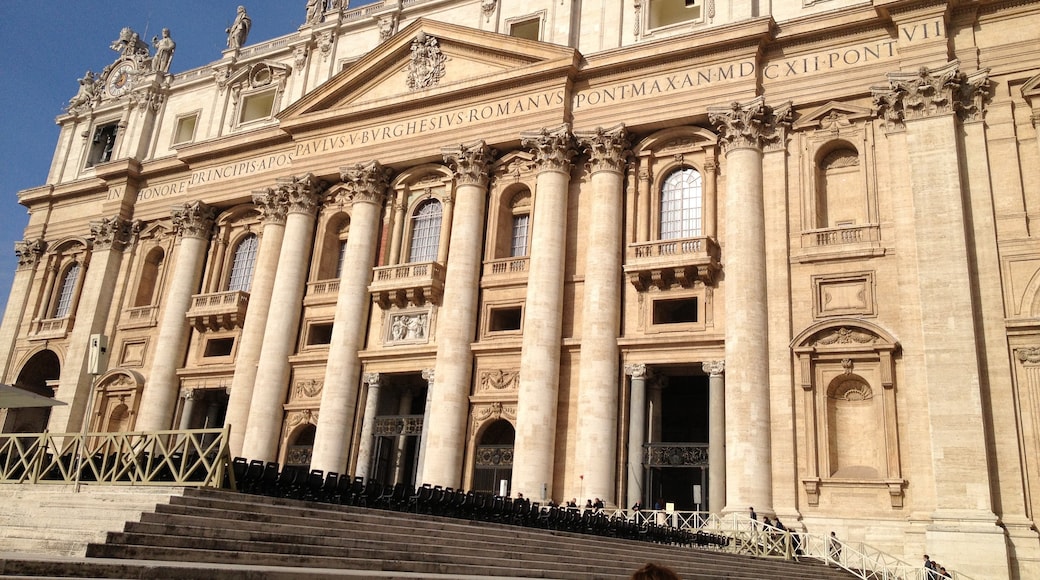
<point x="208" y="175"/>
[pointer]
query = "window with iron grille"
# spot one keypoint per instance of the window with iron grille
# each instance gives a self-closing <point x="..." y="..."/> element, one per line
<point x="426" y="232"/>
<point x="242" y="267"/>
<point x="68" y="286"/>
<point x="681" y="205"/>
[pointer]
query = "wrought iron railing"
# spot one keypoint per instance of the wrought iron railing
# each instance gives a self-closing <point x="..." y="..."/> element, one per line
<point x="194" y="458"/>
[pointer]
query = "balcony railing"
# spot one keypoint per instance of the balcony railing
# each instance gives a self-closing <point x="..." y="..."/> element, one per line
<point x="506" y="270"/>
<point x="405" y="284"/>
<point x="51" y="328"/>
<point x="219" y="310"/>
<point x="667" y="263"/>
<point x="140" y="317"/>
<point x="849" y="234"/>
<point x="322" y="292"/>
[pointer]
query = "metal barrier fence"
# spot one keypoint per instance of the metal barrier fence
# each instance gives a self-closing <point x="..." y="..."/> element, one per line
<point x="193" y="457"/>
<point x="754" y="538"/>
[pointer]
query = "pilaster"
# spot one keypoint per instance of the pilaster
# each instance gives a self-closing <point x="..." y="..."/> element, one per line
<point x="28" y="253"/>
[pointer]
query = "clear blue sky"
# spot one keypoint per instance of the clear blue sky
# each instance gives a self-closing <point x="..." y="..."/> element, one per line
<point x="46" y="46"/>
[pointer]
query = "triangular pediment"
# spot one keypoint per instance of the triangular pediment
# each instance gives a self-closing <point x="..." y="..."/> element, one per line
<point x="473" y="60"/>
<point x="1031" y="88"/>
<point x="831" y="115"/>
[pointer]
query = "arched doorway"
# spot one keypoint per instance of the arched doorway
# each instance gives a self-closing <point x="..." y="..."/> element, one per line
<point x="493" y="462"/>
<point x="301" y="447"/>
<point x="40" y="376"/>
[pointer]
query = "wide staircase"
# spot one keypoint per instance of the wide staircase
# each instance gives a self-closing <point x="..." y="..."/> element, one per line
<point x="209" y="533"/>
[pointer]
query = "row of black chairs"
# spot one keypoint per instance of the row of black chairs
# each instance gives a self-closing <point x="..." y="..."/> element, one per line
<point x="267" y="478"/>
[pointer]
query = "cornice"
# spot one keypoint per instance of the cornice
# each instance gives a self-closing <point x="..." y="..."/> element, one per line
<point x="748" y="33"/>
<point x="226" y="145"/>
<point x="49" y="193"/>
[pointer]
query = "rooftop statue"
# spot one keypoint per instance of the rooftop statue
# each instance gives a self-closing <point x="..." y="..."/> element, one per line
<point x="87" y="93"/>
<point x="315" y="11"/>
<point x="164" y="48"/>
<point x="239" y="30"/>
<point x="129" y="44"/>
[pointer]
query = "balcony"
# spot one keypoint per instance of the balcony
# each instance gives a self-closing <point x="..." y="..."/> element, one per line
<point x="666" y="263"/>
<point x="218" y="311"/>
<point x="139" y="317"/>
<point x="50" y="328"/>
<point x="505" y="271"/>
<point x="841" y="243"/>
<point x="322" y="292"/>
<point x="405" y="284"/>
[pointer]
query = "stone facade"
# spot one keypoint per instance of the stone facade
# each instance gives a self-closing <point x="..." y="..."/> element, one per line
<point x="649" y="250"/>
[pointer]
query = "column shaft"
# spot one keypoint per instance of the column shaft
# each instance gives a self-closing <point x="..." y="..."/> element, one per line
<point x="636" y="435"/>
<point x="273" y="206"/>
<point x="535" y="443"/>
<point x="601" y="316"/>
<point x="365" y="189"/>
<point x="194" y="222"/>
<point x="264" y="422"/>
<point x="188" y="409"/>
<point x="716" y="436"/>
<point x="445" y="434"/>
<point x="364" y="459"/>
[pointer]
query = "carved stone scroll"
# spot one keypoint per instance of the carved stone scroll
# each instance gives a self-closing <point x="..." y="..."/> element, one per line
<point x="608" y="149"/>
<point x="29" y="252"/>
<point x="930" y="92"/>
<point x="471" y="163"/>
<point x="112" y="232"/>
<point x="194" y="219"/>
<point x="364" y="183"/>
<point x="752" y="124"/>
<point x="553" y="149"/>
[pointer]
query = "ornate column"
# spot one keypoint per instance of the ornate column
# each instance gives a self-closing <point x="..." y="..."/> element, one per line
<point x="535" y="442"/>
<point x="364" y="458"/>
<point x="598" y="381"/>
<point x="110" y="237"/>
<point x="429" y="375"/>
<point x="364" y="189"/>
<point x="399" y="207"/>
<point x="189" y="398"/>
<point x="927" y="104"/>
<point x="193" y="223"/>
<point x="637" y="434"/>
<point x="273" y="205"/>
<point x="743" y="129"/>
<point x="445" y="433"/>
<point x="28" y="253"/>
<point x="716" y="435"/>
<point x="264" y="421"/>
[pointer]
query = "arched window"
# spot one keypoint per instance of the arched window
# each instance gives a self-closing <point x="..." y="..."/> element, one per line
<point x="426" y="232"/>
<point x="68" y="288"/>
<point x="242" y="267"/>
<point x="841" y="194"/>
<point x="681" y="204"/>
<point x="149" y="278"/>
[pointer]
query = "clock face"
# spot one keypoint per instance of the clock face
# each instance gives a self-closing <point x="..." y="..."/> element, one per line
<point x="120" y="80"/>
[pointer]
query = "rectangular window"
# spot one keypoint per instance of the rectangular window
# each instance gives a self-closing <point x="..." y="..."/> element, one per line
<point x="185" y="131"/>
<point x="530" y="29"/>
<point x="519" y="243"/>
<point x="319" y="334"/>
<point x="102" y="144"/>
<point x="256" y="107"/>
<point x="675" y="311"/>
<point x="505" y="319"/>
<point x="341" y="258"/>
<point x="219" y="347"/>
<point x="668" y="12"/>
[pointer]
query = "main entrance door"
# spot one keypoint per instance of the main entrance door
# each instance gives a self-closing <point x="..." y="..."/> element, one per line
<point x="676" y="459"/>
<point x="493" y="463"/>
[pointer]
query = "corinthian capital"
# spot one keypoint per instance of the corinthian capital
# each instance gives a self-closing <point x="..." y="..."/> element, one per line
<point x="194" y="219"/>
<point x="301" y="193"/>
<point x="272" y="203"/>
<point x="638" y="370"/>
<point x="29" y="252"/>
<point x="365" y="182"/>
<point x="112" y="232"/>
<point x="752" y="124"/>
<point x="931" y="92"/>
<point x="552" y="149"/>
<point x="608" y="149"/>
<point x="471" y="163"/>
<point x="371" y="379"/>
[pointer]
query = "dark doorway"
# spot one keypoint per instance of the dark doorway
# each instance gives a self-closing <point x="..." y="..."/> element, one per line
<point x="678" y="457"/>
<point x="398" y="429"/>
<point x="493" y="461"/>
